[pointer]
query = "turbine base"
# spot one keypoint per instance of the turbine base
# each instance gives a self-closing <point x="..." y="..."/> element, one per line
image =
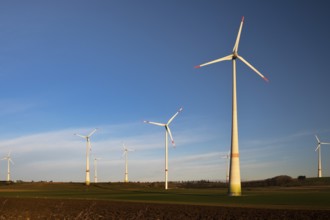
<point x="234" y="194"/>
<point x="235" y="190"/>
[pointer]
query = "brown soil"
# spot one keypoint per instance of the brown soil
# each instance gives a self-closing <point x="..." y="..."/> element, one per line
<point x="22" y="208"/>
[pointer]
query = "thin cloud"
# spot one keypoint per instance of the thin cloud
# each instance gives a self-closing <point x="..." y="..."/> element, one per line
<point x="9" y="107"/>
<point x="59" y="155"/>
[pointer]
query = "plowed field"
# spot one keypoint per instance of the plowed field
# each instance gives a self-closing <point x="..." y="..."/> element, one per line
<point x="38" y="208"/>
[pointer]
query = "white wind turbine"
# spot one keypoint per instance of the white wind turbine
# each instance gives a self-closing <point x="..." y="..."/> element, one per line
<point x="9" y="160"/>
<point x="87" y="153"/>
<point x="125" y="152"/>
<point x="234" y="175"/>
<point x="227" y="157"/>
<point x="95" y="169"/>
<point x="167" y="132"/>
<point x="318" y="147"/>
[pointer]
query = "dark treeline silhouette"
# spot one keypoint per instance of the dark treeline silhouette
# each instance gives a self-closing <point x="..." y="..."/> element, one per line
<point x="280" y="181"/>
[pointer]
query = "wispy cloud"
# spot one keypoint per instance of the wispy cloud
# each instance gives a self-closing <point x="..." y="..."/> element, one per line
<point x="11" y="106"/>
<point x="283" y="155"/>
<point x="59" y="155"/>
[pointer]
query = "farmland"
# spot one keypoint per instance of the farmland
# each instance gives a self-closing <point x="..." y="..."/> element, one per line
<point x="150" y="200"/>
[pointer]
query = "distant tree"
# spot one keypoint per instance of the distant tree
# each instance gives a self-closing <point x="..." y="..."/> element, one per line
<point x="280" y="180"/>
<point x="301" y="178"/>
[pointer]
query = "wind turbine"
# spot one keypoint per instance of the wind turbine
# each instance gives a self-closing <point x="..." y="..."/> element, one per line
<point x="126" y="150"/>
<point x="234" y="175"/>
<point x="227" y="156"/>
<point x="167" y="132"/>
<point x="318" y="147"/>
<point x="95" y="169"/>
<point x="9" y="160"/>
<point x="87" y="153"/>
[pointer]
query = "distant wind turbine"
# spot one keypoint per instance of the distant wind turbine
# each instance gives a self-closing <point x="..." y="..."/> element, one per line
<point x="125" y="152"/>
<point x="318" y="147"/>
<point x="227" y="157"/>
<point x="87" y="153"/>
<point x="234" y="175"/>
<point x="167" y="132"/>
<point x="95" y="169"/>
<point x="9" y="160"/>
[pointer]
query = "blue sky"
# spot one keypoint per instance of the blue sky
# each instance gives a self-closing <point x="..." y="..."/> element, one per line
<point x="71" y="66"/>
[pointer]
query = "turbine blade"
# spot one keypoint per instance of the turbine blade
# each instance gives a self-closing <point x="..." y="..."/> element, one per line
<point x="92" y="132"/>
<point x="317" y="138"/>
<point x="155" y="123"/>
<point x="324" y="143"/>
<point x="229" y="57"/>
<point x="169" y="121"/>
<point x="318" y="146"/>
<point x="235" y="49"/>
<point x="79" y="135"/>
<point x="254" y="69"/>
<point x="170" y="133"/>
<point x="11" y="161"/>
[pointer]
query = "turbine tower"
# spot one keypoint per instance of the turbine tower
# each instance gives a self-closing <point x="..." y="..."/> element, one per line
<point x="95" y="169"/>
<point x="167" y="132"/>
<point x="8" y="158"/>
<point x="234" y="174"/>
<point x="318" y="147"/>
<point x="126" y="150"/>
<point x="87" y="153"/>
